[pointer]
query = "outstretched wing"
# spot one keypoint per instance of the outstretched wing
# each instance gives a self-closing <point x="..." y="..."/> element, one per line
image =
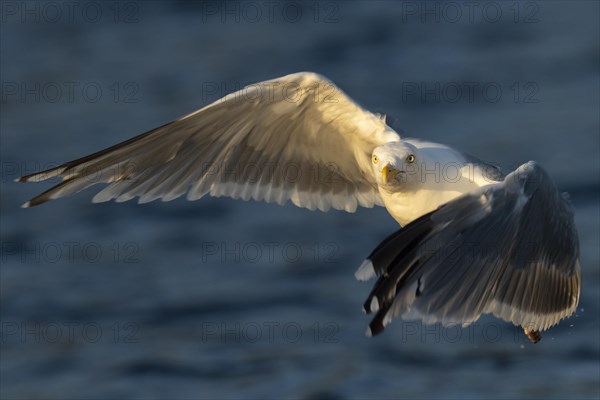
<point x="297" y="138"/>
<point x="509" y="249"/>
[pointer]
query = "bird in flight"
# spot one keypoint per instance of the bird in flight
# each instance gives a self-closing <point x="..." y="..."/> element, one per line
<point x="472" y="240"/>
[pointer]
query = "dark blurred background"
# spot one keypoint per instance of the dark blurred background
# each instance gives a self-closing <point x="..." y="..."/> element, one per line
<point x="226" y="299"/>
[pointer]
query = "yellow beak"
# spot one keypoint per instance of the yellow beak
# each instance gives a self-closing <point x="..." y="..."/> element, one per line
<point x="388" y="173"/>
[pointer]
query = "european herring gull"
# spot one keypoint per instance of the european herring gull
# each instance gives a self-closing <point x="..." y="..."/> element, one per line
<point x="473" y="241"/>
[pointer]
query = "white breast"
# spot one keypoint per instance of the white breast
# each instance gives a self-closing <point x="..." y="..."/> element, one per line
<point x="446" y="176"/>
<point x="406" y="207"/>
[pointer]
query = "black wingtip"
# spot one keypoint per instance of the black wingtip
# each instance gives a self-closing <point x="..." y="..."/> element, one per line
<point x="376" y="326"/>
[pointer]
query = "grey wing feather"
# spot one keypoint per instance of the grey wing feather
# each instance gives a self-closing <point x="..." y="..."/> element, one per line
<point x="296" y="138"/>
<point x="510" y="249"/>
<point x="490" y="171"/>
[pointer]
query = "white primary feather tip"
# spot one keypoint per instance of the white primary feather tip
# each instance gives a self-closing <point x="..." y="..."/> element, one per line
<point x="374" y="304"/>
<point x="365" y="271"/>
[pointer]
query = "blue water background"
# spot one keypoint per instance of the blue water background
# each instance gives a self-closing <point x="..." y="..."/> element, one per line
<point x="228" y="299"/>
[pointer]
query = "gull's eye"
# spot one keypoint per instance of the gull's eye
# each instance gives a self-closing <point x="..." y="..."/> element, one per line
<point x="375" y="159"/>
<point x="410" y="158"/>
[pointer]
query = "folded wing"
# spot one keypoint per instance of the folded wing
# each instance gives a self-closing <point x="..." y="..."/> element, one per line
<point x="510" y="249"/>
<point x="295" y="138"/>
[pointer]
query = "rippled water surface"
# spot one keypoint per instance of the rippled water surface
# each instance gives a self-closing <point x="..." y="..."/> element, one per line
<point x="226" y="299"/>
